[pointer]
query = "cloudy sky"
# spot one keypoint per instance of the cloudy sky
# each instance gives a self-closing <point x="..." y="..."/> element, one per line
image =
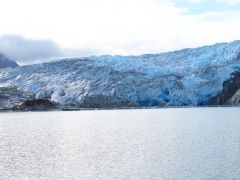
<point x="36" y="31"/>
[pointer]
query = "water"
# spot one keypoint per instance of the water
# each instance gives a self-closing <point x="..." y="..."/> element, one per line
<point x="194" y="143"/>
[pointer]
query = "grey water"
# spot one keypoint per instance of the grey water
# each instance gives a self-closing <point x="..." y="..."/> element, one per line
<point x="181" y="143"/>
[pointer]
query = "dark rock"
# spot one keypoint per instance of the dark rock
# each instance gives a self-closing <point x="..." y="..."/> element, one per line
<point x="36" y="104"/>
<point x="102" y="101"/>
<point x="235" y="100"/>
<point x="230" y="87"/>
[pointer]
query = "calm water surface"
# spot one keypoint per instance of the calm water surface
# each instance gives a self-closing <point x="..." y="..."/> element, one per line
<point x="193" y="143"/>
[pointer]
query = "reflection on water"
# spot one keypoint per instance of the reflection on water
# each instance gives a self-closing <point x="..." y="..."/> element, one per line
<point x="194" y="143"/>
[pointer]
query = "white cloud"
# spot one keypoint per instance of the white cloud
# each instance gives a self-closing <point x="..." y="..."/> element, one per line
<point x="115" y="26"/>
<point x="28" y="51"/>
<point x="194" y="1"/>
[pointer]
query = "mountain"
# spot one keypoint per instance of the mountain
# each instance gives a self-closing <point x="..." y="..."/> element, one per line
<point x="5" y="62"/>
<point x="180" y="78"/>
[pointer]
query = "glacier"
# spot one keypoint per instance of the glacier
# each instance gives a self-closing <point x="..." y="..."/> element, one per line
<point x="178" y="78"/>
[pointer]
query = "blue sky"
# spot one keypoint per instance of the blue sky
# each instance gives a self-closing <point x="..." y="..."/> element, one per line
<point x="76" y="28"/>
<point x="205" y="6"/>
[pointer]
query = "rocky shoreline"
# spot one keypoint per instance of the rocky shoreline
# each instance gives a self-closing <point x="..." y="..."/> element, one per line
<point x="230" y="95"/>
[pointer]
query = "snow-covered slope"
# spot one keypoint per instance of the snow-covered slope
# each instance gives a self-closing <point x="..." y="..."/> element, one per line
<point x="5" y="62"/>
<point x="186" y="77"/>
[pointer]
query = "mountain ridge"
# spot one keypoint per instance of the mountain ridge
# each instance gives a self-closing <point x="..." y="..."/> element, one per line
<point x="6" y="63"/>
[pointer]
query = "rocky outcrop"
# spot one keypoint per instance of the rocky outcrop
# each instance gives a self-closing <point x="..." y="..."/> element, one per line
<point x="230" y="93"/>
<point x="5" y="62"/>
<point x="36" y="105"/>
<point x="235" y="100"/>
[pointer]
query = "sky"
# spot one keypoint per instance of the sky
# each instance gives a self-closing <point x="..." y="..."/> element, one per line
<point x="34" y="31"/>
